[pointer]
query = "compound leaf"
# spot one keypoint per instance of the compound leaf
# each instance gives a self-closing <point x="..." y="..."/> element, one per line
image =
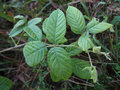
<point x="34" y="32"/>
<point x="100" y="27"/>
<point x="75" y="19"/>
<point x="34" y="52"/>
<point x="56" y="27"/>
<point x="81" y="68"/>
<point x="60" y="64"/>
<point x="5" y="83"/>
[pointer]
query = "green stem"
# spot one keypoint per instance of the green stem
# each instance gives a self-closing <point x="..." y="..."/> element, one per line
<point x="20" y="38"/>
<point x="14" y="42"/>
<point x="90" y="59"/>
<point x="50" y="45"/>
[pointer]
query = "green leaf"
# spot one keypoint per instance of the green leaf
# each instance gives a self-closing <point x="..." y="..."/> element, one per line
<point x="30" y="39"/>
<point x="64" y="40"/>
<point x="85" y="42"/>
<point x="74" y="49"/>
<point x="92" y="23"/>
<point x="100" y="27"/>
<point x="54" y="77"/>
<point x="34" y="32"/>
<point x="94" y="74"/>
<point x="81" y="68"/>
<point x="16" y="31"/>
<point x="5" y="83"/>
<point x="76" y="20"/>
<point x="56" y="27"/>
<point x="18" y="28"/>
<point x="60" y="64"/>
<point x="97" y="49"/>
<point x="34" y="21"/>
<point x="20" y="23"/>
<point x="34" y="52"/>
<point x="44" y="25"/>
<point x="19" y="17"/>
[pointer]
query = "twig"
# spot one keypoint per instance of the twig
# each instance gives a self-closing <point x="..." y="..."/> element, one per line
<point x="91" y="85"/>
<point x="11" y="48"/>
<point x="7" y="57"/>
<point x="14" y="41"/>
<point x="115" y="81"/>
<point x="79" y="79"/>
<point x="20" y="38"/>
<point x="74" y="2"/>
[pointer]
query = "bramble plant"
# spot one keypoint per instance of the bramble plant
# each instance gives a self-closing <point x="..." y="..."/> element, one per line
<point x="59" y="59"/>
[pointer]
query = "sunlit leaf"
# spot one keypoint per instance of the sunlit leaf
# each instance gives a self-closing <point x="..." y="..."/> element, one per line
<point x="85" y="42"/>
<point x="34" y="52"/>
<point x="16" y="31"/>
<point x="60" y="64"/>
<point x="18" y="28"/>
<point x="92" y="23"/>
<point x="100" y="27"/>
<point x="34" y="32"/>
<point x="19" y="17"/>
<point x="34" y="21"/>
<point x="19" y="23"/>
<point x="56" y="27"/>
<point x="75" y="19"/>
